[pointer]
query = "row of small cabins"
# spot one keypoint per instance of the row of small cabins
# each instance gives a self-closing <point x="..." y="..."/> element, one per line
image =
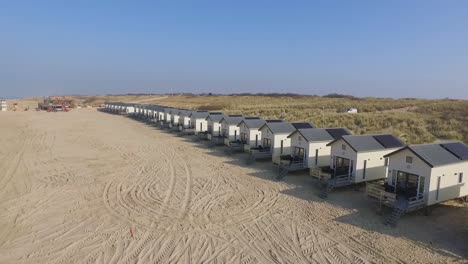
<point x="402" y="177"/>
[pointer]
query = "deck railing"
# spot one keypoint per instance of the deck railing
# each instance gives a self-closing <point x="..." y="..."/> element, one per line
<point x="377" y="190"/>
<point x="318" y="173"/>
<point x="341" y="180"/>
<point x="415" y="203"/>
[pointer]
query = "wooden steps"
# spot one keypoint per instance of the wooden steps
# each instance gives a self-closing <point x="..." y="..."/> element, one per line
<point x="395" y="216"/>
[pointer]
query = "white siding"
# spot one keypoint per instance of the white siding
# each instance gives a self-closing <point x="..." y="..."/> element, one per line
<point x="450" y="188"/>
<point x="397" y="162"/>
<point x="375" y="165"/>
<point x="232" y="130"/>
<point x="348" y="153"/>
<point x="324" y="152"/>
<point x="199" y="123"/>
<point x="251" y="135"/>
<point x="175" y="119"/>
<point x="130" y="109"/>
<point x="216" y="127"/>
<point x="276" y="142"/>
<point x="374" y="161"/>
<point x="298" y="141"/>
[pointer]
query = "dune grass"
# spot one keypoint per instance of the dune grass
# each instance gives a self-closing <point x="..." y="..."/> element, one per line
<point x="413" y="120"/>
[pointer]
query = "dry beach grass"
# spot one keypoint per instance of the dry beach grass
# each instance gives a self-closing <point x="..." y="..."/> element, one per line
<point x="89" y="187"/>
<point x="414" y="120"/>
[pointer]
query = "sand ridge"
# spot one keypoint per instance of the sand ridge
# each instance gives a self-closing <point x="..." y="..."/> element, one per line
<point x="89" y="187"/>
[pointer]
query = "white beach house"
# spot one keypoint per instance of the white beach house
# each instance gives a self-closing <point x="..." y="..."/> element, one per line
<point x="250" y="136"/>
<point x="166" y="120"/>
<point x="198" y="121"/>
<point x="229" y="128"/>
<point x="174" y="112"/>
<point x="275" y="140"/>
<point x="422" y="175"/>
<point x="184" y="119"/>
<point x="214" y="125"/>
<point x="309" y="144"/>
<point x="430" y="173"/>
<point x="360" y="158"/>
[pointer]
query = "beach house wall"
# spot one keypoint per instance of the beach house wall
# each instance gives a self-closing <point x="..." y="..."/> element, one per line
<point x="311" y="144"/>
<point x="184" y="119"/>
<point x="362" y="156"/>
<point x="275" y="137"/>
<point x="250" y="136"/>
<point x="229" y="128"/>
<point x="432" y="172"/>
<point x="130" y="109"/>
<point x="214" y="125"/>
<point x="167" y="115"/>
<point x="175" y="116"/>
<point x="198" y="121"/>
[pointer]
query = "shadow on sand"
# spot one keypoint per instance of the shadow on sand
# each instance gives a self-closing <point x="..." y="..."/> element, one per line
<point x="444" y="231"/>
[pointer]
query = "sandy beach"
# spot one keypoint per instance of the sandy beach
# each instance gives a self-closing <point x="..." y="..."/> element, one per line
<point x="91" y="187"/>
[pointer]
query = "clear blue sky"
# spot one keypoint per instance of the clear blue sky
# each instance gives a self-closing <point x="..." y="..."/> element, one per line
<point x="364" y="48"/>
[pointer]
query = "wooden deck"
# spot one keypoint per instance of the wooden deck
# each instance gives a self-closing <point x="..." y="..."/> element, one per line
<point x="377" y="191"/>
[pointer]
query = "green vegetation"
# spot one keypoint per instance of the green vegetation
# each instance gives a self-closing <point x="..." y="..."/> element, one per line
<point x="413" y="120"/>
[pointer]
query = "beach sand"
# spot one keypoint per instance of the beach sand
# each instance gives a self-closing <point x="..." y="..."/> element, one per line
<point x="91" y="187"/>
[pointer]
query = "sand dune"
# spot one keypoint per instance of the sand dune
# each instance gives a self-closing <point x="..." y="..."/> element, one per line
<point x="89" y="187"/>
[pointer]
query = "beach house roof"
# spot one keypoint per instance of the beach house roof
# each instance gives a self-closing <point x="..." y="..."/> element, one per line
<point x="322" y="134"/>
<point x="371" y="142"/>
<point x="438" y="154"/>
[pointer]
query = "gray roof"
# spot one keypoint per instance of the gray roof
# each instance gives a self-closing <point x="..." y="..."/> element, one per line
<point x="253" y="123"/>
<point x="167" y="110"/>
<point x="279" y="127"/>
<point x="185" y="113"/>
<point x="315" y="134"/>
<point x="215" y="118"/>
<point x="367" y="142"/>
<point x="232" y="120"/>
<point x="174" y="111"/>
<point x="433" y="154"/>
<point x="319" y="134"/>
<point x="199" y="115"/>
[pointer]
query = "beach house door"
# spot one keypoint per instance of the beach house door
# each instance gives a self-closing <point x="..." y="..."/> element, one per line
<point x="316" y="157"/>
<point x="421" y="183"/>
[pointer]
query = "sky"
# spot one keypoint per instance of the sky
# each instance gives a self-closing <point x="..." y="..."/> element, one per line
<point x="363" y="48"/>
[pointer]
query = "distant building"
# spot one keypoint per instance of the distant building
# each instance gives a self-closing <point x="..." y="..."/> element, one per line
<point x="352" y="110"/>
<point x="3" y="105"/>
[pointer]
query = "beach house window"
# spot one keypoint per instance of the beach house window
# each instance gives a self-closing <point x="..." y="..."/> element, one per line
<point x="460" y="177"/>
<point x="299" y="152"/>
<point x="244" y="138"/>
<point x="409" y="159"/>
<point x="422" y="181"/>
<point x="364" y="169"/>
<point x="266" y="142"/>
